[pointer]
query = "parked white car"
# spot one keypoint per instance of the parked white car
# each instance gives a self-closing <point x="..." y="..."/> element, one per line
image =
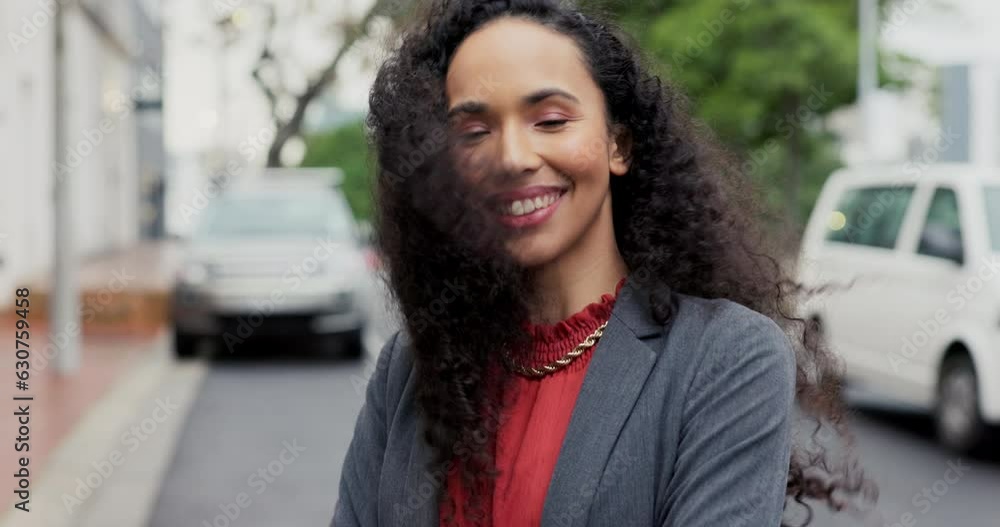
<point x="278" y="255"/>
<point x="912" y="257"/>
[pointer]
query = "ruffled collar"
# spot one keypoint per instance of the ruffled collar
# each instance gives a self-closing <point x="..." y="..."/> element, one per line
<point x="552" y="341"/>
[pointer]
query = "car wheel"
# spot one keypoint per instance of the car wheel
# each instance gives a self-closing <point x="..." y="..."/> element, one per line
<point x="960" y="425"/>
<point x="185" y="344"/>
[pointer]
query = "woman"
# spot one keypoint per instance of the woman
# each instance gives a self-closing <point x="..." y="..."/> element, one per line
<point x="593" y="334"/>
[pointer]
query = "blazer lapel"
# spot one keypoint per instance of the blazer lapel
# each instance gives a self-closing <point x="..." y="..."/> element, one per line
<point x="622" y="360"/>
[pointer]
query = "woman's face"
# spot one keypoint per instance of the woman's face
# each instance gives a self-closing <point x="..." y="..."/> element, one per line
<point x="533" y="136"/>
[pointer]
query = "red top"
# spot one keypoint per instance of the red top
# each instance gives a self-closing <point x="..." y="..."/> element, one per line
<point x="535" y="419"/>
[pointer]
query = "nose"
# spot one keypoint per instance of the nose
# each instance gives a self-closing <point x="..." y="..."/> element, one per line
<point x="518" y="155"/>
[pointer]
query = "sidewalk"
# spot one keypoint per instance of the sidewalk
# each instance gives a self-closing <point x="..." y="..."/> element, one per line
<point x="102" y="440"/>
<point x="60" y="401"/>
<point x="124" y="310"/>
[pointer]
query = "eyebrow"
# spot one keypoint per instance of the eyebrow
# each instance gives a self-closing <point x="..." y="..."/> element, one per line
<point x="475" y="107"/>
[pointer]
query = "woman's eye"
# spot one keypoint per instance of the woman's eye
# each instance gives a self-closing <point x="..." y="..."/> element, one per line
<point x="474" y="134"/>
<point x="552" y="123"/>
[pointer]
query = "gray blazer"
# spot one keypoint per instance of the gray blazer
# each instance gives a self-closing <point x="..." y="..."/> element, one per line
<point x="686" y="424"/>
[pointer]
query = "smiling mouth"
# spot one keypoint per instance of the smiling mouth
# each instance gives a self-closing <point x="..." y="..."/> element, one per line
<point x="530" y="212"/>
<point x="523" y="207"/>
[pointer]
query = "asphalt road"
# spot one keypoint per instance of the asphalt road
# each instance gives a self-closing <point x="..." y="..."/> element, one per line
<point x="264" y="442"/>
<point x="265" y="438"/>
<point x="920" y="484"/>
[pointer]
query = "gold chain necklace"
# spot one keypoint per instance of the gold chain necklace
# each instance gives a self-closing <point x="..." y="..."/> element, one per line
<point x="557" y="364"/>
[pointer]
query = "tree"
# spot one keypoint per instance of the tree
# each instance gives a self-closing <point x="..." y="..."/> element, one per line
<point x="279" y="62"/>
<point x="762" y="74"/>
<point x="346" y="148"/>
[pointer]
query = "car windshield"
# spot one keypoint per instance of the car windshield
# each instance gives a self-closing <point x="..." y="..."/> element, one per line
<point x="275" y="215"/>
<point x="993" y="215"/>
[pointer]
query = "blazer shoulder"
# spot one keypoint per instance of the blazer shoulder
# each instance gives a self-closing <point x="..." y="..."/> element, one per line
<point x="722" y="327"/>
<point x="721" y="314"/>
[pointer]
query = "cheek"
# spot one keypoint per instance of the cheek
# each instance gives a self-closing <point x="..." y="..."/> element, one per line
<point x="470" y="167"/>
<point x="582" y="156"/>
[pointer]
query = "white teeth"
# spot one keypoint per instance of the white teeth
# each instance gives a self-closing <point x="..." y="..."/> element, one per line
<point x="527" y="206"/>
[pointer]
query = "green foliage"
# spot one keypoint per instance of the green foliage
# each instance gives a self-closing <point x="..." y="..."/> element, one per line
<point x="819" y="157"/>
<point x="750" y="65"/>
<point x="345" y="147"/>
<point x="759" y="72"/>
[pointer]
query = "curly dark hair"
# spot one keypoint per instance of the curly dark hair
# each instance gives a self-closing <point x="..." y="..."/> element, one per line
<point x="686" y="220"/>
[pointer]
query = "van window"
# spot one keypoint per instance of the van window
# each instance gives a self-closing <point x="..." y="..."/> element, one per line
<point x="869" y="216"/>
<point x="942" y="232"/>
<point x="993" y="216"/>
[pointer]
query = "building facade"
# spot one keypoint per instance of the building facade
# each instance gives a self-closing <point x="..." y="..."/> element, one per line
<point x="111" y="63"/>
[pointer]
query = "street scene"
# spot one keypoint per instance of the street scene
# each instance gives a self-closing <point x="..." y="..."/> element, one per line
<point x="193" y="303"/>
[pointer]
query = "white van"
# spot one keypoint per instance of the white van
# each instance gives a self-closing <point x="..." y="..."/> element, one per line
<point x="910" y="255"/>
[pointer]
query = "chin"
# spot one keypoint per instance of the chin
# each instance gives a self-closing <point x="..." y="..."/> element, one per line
<point x="533" y="254"/>
<point x="531" y="261"/>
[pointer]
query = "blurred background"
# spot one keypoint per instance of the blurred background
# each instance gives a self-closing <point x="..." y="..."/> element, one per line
<point x="184" y="237"/>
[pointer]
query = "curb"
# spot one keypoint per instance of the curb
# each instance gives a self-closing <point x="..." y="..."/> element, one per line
<point x="127" y="494"/>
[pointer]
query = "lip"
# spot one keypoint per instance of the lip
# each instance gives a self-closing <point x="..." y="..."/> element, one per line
<point x="525" y="193"/>
<point x="535" y="218"/>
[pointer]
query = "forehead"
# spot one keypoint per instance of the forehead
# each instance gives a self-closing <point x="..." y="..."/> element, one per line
<point x="514" y="56"/>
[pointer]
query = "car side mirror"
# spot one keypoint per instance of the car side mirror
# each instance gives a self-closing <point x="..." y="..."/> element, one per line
<point x="942" y="242"/>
